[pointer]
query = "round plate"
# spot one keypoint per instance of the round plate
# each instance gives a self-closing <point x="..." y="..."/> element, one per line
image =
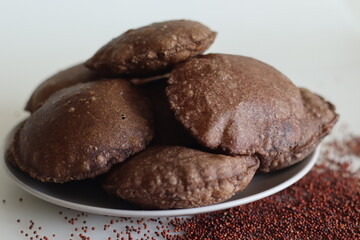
<point x="87" y="195"/>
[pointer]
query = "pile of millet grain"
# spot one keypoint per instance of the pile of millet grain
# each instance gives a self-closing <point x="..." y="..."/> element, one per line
<point x="325" y="204"/>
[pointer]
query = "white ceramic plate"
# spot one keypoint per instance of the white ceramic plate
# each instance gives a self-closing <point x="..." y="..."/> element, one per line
<point x="87" y="196"/>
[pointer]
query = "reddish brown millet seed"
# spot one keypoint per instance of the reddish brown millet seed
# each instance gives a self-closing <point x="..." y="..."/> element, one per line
<point x="20" y="199"/>
<point x="31" y="225"/>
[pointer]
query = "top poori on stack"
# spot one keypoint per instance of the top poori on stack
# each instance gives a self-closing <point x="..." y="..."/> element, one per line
<point x="211" y="121"/>
<point x="152" y="49"/>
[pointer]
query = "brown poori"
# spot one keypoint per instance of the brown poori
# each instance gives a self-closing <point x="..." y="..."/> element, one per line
<point x="152" y="49"/>
<point x="63" y="79"/>
<point x="165" y="177"/>
<point x="246" y="107"/>
<point x="81" y="131"/>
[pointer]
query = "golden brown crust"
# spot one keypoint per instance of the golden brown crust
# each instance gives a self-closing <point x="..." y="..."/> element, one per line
<point x="152" y="49"/>
<point x="165" y="177"/>
<point x="244" y="107"/>
<point x="63" y="79"/>
<point x="81" y="131"/>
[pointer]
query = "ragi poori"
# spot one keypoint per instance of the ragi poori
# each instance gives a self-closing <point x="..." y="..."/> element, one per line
<point x="246" y="107"/>
<point x="152" y="49"/>
<point x="81" y="131"/>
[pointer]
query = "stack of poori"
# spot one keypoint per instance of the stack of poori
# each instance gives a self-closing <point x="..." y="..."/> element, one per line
<point x="166" y="126"/>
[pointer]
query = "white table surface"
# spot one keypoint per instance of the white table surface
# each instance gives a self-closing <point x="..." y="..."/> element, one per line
<point x="315" y="43"/>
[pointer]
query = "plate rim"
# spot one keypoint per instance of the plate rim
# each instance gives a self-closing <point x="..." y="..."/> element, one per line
<point x="166" y="213"/>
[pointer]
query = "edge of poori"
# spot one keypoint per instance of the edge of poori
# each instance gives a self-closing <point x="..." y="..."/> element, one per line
<point x="65" y="78"/>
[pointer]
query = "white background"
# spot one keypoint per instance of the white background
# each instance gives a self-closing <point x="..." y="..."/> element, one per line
<point x="316" y="43"/>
